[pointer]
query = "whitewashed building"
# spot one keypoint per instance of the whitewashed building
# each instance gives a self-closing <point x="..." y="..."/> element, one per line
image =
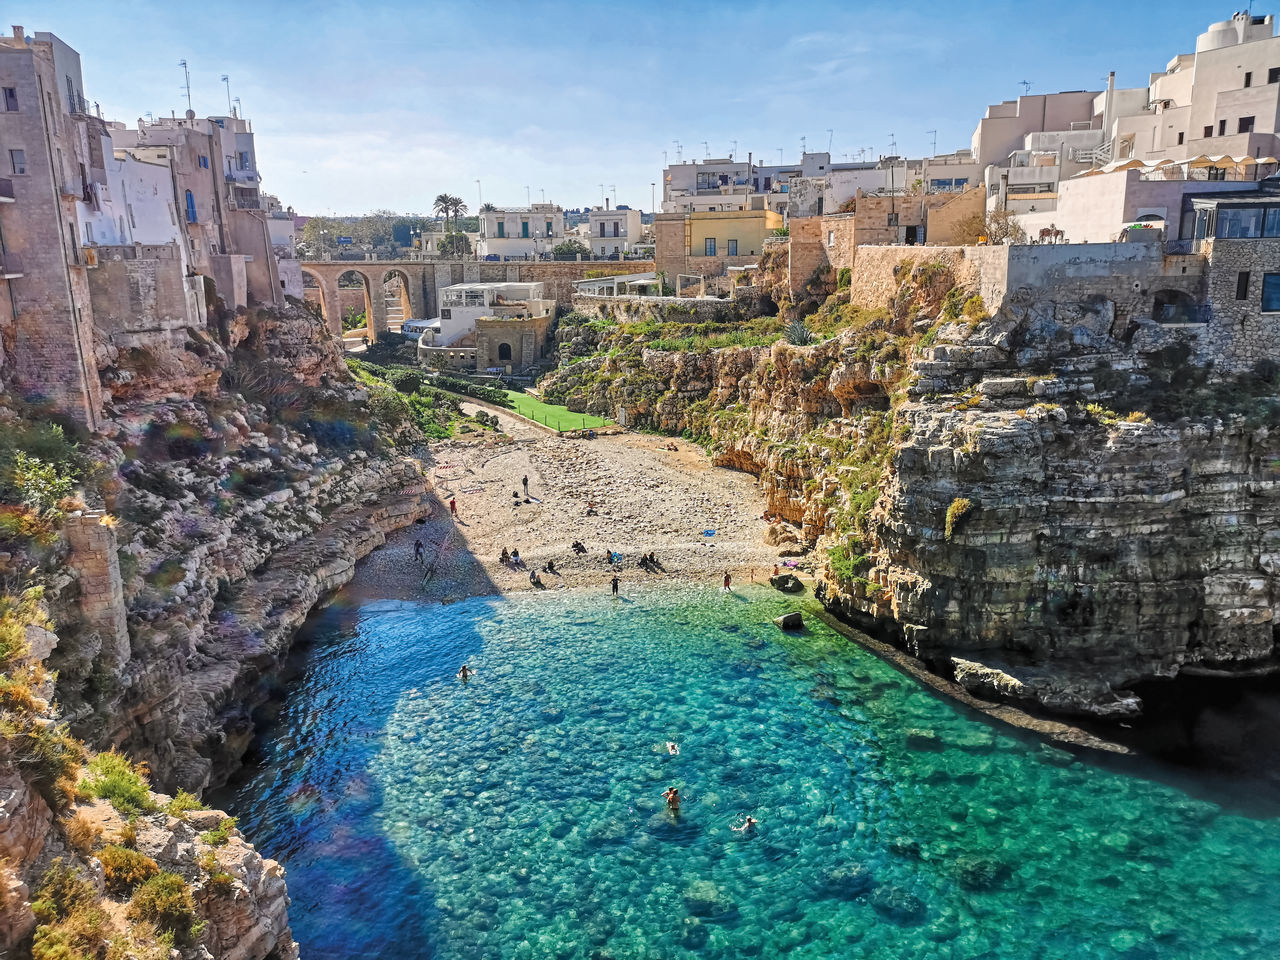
<point x="520" y="232"/>
<point x="613" y="231"/>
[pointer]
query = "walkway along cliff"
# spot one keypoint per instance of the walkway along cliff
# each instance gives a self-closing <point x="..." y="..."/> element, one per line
<point x="154" y="573"/>
<point x="1004" y="459"/>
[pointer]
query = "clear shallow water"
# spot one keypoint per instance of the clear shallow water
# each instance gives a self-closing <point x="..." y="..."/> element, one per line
<point x="520" y="814"/>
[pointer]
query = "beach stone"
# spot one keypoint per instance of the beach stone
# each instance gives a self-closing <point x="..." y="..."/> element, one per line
<point x="848" y="881"/>
<point x="790" y="621"/>
<point x="898" y="904"/>
<point x="787" y="583"/>
<point x="702" y="898"/>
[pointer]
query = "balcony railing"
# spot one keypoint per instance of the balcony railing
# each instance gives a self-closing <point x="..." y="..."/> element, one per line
<point x="10" y="265"/>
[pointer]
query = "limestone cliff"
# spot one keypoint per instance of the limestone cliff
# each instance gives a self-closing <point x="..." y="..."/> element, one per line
<point x="1050" y="503"/>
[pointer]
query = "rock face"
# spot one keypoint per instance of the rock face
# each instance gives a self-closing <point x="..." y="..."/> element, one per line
<point x="1048" y="504"/>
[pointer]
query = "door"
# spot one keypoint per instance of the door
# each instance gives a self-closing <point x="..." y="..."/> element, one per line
<point x="911" y="235"/>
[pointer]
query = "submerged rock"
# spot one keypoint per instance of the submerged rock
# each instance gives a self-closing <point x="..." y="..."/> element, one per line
<point x="790" y="621"/>
<point x="787" y="583"/>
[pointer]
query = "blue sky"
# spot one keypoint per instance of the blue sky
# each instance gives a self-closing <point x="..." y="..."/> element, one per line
<point x="358" y="106"/>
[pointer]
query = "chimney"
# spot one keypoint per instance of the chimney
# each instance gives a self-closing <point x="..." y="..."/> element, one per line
<point x="18" y="33"/>
<point x="606" y="203"/>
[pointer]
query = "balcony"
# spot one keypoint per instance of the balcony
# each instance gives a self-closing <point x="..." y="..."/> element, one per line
<point x="10" y="266"/>
<point x="6" y="190"/>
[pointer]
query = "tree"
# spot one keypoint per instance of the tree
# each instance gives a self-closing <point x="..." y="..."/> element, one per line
<point x="997" y="226"/>
<point x="454" y="245"/>
<point x="459" y="208"/>
<point x="443" y="206"/>
<point x="487" y="207"/>
<point x="570" y="248"/>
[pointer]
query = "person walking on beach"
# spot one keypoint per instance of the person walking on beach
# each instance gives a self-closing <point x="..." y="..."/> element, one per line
<point x="417" y="550"/>
<point x="727" y="581"/>
<point x="525" y="480"/>
<point x="453" y="507"/>
<point x="615" y="586"/>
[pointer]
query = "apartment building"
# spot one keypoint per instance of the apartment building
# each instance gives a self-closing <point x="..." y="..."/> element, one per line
<point x="520" y="233"/>
<point x="615" y="231"/>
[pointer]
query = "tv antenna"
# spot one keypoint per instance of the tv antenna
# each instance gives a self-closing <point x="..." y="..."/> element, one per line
<point x="893" y="146"/>
<point x="706" y="150"/>
<point x="803" y="147"/>
<point x="226" y="82"/>
<point x="734" y="152"/>
<point x="679" y="152"/>
<point x="186" y="75"/>
<point x="934" y="134"/>
<point x="1026" y="86"/>
<point x="830" y="136"/>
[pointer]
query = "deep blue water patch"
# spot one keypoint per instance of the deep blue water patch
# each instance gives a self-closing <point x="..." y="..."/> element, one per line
<point x="521" y="814"/>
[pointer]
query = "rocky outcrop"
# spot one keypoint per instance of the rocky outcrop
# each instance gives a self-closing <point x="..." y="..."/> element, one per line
<point x="1046" y="504"/>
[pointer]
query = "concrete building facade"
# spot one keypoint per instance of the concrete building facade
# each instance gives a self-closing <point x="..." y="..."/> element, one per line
<point x="613" y="231"/>
<point x="521" y="233"/>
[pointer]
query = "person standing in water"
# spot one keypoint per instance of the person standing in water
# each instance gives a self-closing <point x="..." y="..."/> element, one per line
<point x="727" y="581"/>
<point x="616" y="581"/>
<point x="672" y="796"/>
<point x="465" y="673"/>
<point x="748" y="826"/>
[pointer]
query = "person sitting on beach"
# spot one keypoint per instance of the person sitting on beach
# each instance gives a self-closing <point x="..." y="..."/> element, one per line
<point x="747" y="826"/>
<point x="608" y="556"/>
<point x="515" y="557"/>
<point x="672" y="796"/>
<point x="550" y="567"/>
<point x="591" y="510"/>
<point x="465" y="673"/>
<point x="506" y="557"/>
<point x="578" y="547"/>
<point x="534" y="579"/>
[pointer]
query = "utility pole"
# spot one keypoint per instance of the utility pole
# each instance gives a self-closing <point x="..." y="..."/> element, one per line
<point x="543" y="191"/>
<point x="239" y="108"/>
<point x="613" y="188"/>
<point x="706" y="150"/>
<point x="779" y="156"/>
<point x="934" y="133"/>
<point x="226" y="80"/>
<point x="186" y="75"/>
<point x="803" y="146"/>
<point x="830" y="136"/>
<point x="527" y="198"/>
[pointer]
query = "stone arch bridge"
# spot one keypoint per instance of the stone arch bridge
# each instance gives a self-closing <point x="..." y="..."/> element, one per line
<point x="421" y="281"/>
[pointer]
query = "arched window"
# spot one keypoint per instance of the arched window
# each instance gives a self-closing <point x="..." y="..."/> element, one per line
<point x="504" y="351"/>
<point x="191" y="208"/>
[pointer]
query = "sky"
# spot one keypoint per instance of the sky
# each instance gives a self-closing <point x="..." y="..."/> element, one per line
<point x="384" y="105"/>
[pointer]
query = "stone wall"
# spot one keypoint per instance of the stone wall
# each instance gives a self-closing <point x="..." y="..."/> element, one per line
<point x="643" y="309"/>
<point x="840" y="235"/>
<point x="96" y="564"/>
<point x="945" y="221"/>
<point x="807" y="250"/>
<point x="982" y="269"/>
<point x="1236" y="333"/>
<point x="138" y="301"/>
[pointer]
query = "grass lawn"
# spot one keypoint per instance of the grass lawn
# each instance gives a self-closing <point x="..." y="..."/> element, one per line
<point x="558" y="418"/>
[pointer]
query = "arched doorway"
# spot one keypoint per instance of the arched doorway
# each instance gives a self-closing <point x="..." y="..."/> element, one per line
<point x="313" y="292"/>
<point x="395" y="294"/>
<point x="355" y="306"/>
<point x="504" y="353"/>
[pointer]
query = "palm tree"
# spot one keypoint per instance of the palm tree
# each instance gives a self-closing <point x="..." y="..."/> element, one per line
<point x="442" y="206"/>
<point x="488" y="208"/>
<point x="459" y="208"/>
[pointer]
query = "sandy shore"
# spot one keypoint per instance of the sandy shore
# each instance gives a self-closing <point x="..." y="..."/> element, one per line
<point x="647" y="499"/>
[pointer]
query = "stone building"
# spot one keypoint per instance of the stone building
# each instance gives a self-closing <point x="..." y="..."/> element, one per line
<point x="520" y="232"/>
<point x="512" y="344"/>
<point x="46" y="319"/>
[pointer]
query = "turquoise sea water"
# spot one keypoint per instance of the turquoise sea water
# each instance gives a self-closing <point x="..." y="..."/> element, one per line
<point x="520" y="814"/>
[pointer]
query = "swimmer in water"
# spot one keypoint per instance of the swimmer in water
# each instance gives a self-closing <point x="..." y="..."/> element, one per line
<point x="673" y="748"/>
<point x="672" y="796"/>
<point x="747" y="826"/>
<point x="466" y="673"/>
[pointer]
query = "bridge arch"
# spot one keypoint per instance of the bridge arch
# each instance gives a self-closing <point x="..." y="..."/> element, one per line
<point x="396" y="291"/>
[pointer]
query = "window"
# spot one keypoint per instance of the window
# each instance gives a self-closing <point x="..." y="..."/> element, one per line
<point x="1271" y="292"/>
<point x="88" y="233"/>
<point x="11" y="99"/>
<point x="615" y="228"/>
<point x="733" y="248"/>
<point x="1273" y="75"/>
<point x="446" y="314"/>
<point x="1242" y="285"/>
<point x="1271" y="225"/>
<point x="1208" y="131"/>
<point x="1222" y="128"/>
<point x="502" y="228"/>
<point x="1216" y="173"/>
<point x="1248" y="79"/>
<point x="549" y="228"/>
<point x="831" y="238"/>
<point x="244" y="160"/>
<point x="1246" y="125"/>
<point x="75" y="247"/>
<point x="204" y="162"/>
<point x="18" y="160"/>
<point x="1237" y="223"/>
<point x="524" y="228"/>
<point x="191" y="208"/>
<point x="504" y="352"/>
<point x="1181" y="138"/>
<point x="602" y="228"/>
<point x="709" y="247"/>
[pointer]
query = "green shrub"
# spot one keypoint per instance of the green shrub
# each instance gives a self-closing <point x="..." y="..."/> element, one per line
<point x="974" y="308"/>
<point x="41" y="484"/>
<point x="844" y="278"/>
<point x="959" y="509"/>
<point x="165" y="901"/>
<point x="62" y="890"/>
<point x="220" y="834"/>
<point x="183" y="804"/>
<point x="798" y="334"/>
<point x="113" y="778"/>
<point x="406" y="381"/>
<point x="124" y="869"/>
<point x="845" y="564"/>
